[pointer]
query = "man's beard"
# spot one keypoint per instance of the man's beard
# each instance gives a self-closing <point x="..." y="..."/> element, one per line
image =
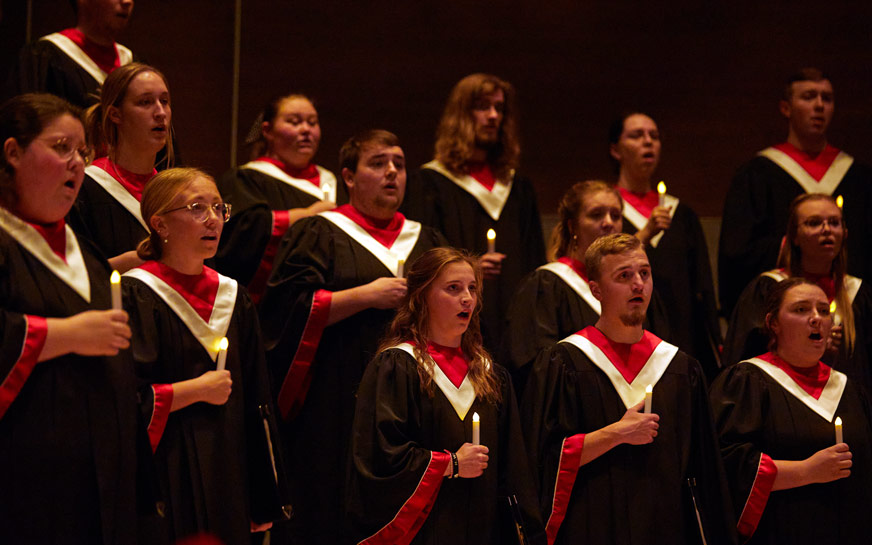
<point x="633" y="318"/>
<point x="486" y="141"/>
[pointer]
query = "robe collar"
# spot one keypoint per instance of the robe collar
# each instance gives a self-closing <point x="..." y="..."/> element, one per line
<point x="106" y="57"/>
<point x="482" y="173"/>
<point x="74" y="52"/>
<point x="825" y="406"/>
<point x="400" y="249"/>
<point x="827" y="183"/>
<point x="491" y="201"/>
<point x="639" y="216"/>
<point x="817" y="166"/>
<point x="207" y="332"/>
<point x="325" y="190"/>
<point x="657" y="356"/>
<point x="461" y="398"/>
<point x="310" y="173"/>
<point x="72" y="270"/>
<point x="579" y="284"/>
<point x="451" y="360"/>
<point x="100" y="173"/>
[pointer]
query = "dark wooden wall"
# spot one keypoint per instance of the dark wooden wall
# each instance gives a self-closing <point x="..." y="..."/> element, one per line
<point x="710" y="73"/>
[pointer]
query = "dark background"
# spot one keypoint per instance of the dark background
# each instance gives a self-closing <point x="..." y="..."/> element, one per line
<point x="710" y="73"/>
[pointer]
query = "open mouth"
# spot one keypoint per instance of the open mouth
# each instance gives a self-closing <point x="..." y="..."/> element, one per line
<point x="209" y="237"/>
<point x="815" y="336"/>
<point x="637" y="299"/>
<point x="70" y="183"/>
<point x="463" y="314"/>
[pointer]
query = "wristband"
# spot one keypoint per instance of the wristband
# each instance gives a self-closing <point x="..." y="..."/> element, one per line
<point x="455" y="466"/>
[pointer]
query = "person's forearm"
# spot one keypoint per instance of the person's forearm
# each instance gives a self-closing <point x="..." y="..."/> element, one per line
<point x="791" y="474"/>
<point x="597" y="443"/>
<point x="346" y="303"/>
<point x="186" y="392"/>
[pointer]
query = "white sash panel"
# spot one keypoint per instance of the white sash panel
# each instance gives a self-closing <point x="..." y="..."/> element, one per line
<point x="827" y="184"/>
<point x="491" y="201"/>
<point x="460" y="398"/>
<point x="328" y="188"/>
<point x="574" y="281"/>
<point x="639" y="220"/>
<point x="81" y="58"/>
<point x="118" y="192"/>
<point x="390" y="257"/>
<point x="825" y="406"/>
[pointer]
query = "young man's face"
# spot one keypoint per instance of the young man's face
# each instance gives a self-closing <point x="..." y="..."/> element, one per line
<point x="625" y="286"/>
<point x="810" y="107"/>
<point x="379" y="184"/>
<point x="487" y="113"/>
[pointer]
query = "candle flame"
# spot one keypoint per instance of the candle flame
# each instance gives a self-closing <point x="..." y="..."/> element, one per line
<point x="840" y="201"/>
<point x="491" y="234"/>
<point x="475" y="417"/>
<point x="839" y="421"/>
<point x="115" y="278"/>
<point x="649" y="389"/>
<point x="661" y="188"/>
<point x="832" y="307"/>
<point x="223" y="343"/>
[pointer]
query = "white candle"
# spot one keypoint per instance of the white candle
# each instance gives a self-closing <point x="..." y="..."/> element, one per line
<point x="837" y="320"/>
<point x="661" y="192"/>
<point x="223" y="344"/>
<point x="840" y="202"/>
<point x="401" y="267"/>
<point x="476" y="429"/>
<point x="839" y="430"/>
<point x="491" y="241"/>
<point x="649" y="393"/>
<point x="115" y="282"/>
<point x="328" y="188"/>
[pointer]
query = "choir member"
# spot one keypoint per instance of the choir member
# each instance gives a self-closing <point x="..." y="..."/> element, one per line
<point x="472" y="186"/>
<point x="814" y="249"/>
<point x="555" y="300"/>
<point x="609" y="472"/>
<point x="797" y="476"/>
<point x="331" y="295"/>
<point x="74" y="62"/>
<point x="758" y="201"/>
<point x="420" y="474"/>
<point x="68" y="418"/>
<point x="128" y="127"/>
<point x="673" y="240"/>
<point x="282" y="184"/>
<point x="209" y="413"/>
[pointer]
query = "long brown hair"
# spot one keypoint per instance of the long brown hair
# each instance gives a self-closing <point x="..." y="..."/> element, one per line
<point x="790" y="259"/>
<point x="563" y="235"/>
<point x="411" y="323"/>
<point x="455" y="137"/>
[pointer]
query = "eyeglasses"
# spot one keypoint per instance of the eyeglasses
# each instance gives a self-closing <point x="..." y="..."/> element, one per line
<point x="65" y="150"/>
<point x="200" y="211"/>
<point x="815" y="223"/>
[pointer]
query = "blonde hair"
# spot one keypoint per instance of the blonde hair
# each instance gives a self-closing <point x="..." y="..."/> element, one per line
<point x="159" y="195"/>
<point x="614" y="244"/>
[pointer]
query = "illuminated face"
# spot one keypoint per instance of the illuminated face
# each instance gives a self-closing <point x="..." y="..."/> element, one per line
<point x="293" y="136"/>
<point x="600" y="215"/>
<point x="810" y="108"/>
<point x="378" y="185"/>
<point x="487" y="115"/>
<point x="638" y="148"/>
<point x="48" y="172"/>
<point x="144" y="116"/>
<point x="184" y="233"/>
<point x="820" y="231"/>
<point x="802" y="325"/>
<point x="451" y="300"/>
<point x="625" y="286"/>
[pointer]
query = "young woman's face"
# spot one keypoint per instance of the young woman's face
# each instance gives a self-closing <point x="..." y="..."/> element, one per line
<point x="600" y="215"/>
<point x="802" y="325"/>
<point x="184" y="232"/>
<point x="638" y="148"/>
<point x="293" y="136"/>
<point x="48" y="172"/>
<point x="451" y="300"/>
<point x="144" y="116"/>
<point x="820" y="231"/>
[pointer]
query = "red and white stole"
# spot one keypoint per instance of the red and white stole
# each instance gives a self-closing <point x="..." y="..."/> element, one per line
<point x="826" y="184"/>
<point x="492" y="201"/>
<point x="326" y="190"/>
<point x="73" y="51"/>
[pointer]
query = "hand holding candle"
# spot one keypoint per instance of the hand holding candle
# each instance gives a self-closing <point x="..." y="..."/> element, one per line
<point x="649" y="392"/>
<point x="115" y="283"/>
<point x="223" y="344"/>
<point x="476" y="429"/>
<point x="839" y="430"/>
<point x="661" y="193"/>
<point x="491" y="241"/>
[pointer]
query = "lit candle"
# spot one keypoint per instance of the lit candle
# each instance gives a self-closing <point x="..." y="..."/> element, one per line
<point x="476" y="429"/>
<point x="839" y="430"/>
<point x="222" y="353"/>
<point x="840" y="201"/>
<point x="837" y="320"/>
<point x="649" y="392"/>
<point x="401" y="267"/>
<point x="327" y="188"/>
<point x="491" y="241"/>
<point x="115" y="282"/>
<point x="661" y="192"/>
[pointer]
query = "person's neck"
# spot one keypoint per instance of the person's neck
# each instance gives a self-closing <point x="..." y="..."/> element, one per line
<point x="634" y="182"/>
<point x="613" y="328"/>
<point x="293" y="165"/>
<point x="183" y="264"/>
<point x="796" y="360"/>
<point x="479" y="155"/>
<point x="95" y="34"/>
<point x="811" y="145"/>
<point x="578" y="253"/>
<point x="138" y="162"/>
<point x="820" y="268"/>
<point x="443" y="339"/>
<point x="376" y="213"/>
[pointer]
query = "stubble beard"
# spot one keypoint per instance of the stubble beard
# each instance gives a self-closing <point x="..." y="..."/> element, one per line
<point x="633" y="318"/>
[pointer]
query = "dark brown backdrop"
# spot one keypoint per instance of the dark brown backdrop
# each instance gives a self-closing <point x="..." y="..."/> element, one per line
<point x="710" y="73"/>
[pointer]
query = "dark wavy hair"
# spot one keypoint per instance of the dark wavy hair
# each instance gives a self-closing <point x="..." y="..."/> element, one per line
<point x="411" y="323"/>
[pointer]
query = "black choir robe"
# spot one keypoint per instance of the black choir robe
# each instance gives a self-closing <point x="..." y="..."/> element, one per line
<point x="747" y="338"/>
<point x="462" y="210"/>
<point x="397" y="491"/>
<point x="552" y="303"/>
<point x="316" y="368"/>
<point x="759" y="419"/>
<point x="257" y="190"/>
<point x="68" y="426"/>
<point x="107" y="214"/>
<point x="55" y="64"/>
<point x="215" y="464"/>
<point x="683" y="278"/>
<point x="632" y="494"/>
<point x="757" y="207"/>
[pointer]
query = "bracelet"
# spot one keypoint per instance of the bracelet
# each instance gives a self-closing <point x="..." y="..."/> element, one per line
<point x="455" y="466"/>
